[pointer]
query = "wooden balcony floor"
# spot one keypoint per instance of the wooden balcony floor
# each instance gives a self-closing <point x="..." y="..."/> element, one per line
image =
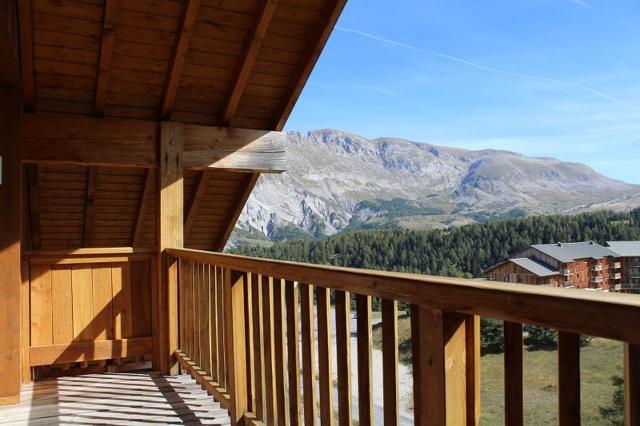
<point x="115" y="399"/>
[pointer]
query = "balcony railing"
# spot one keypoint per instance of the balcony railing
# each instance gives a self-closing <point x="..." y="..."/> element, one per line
<point x="566" y="271"/>
<point x="596" y="268"/>
<point x="248" y="330"/>
<point x="616" y="276"/>
<point x="597" y="279"/>
<point x="616" y="265"/>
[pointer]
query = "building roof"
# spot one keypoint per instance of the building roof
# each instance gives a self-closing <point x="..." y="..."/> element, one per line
<point x="568" y="252"/>
<point x="535" y="267"/>
<point x="625" y="248"/>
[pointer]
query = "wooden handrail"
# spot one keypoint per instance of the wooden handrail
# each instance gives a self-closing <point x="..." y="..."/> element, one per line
<point x="608" y="315"/>
<point x="247" y="328"/>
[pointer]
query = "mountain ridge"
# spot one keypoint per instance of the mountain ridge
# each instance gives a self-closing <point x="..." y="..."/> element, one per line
<point x="339" y="180"/>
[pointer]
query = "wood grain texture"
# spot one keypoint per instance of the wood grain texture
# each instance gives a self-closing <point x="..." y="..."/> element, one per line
<point x="33" y="183"/>
<point x="307" y="334"/>
<point x="90" y="206"/>
<point x="293" y="351"/>
<point x="234" y="212"/>
<point x="327" y="20"/>
<point x="258" y="346"/>
<point x="188" y="20"/>
<point x="89" y="351"/>
<point x="280" y="352"/>
<point x="170" y="222"/>
<point x="561" y="309"/>
<point x="26" y="50"/>
<point x="236" y="350"/>
<point x="136" y="238"/>
<point x="106" y="49"/>
<point x="569" y="378"/>
<point x="10" y="198"/>
<point x="632" y="384"/>
<point x="325" y="376"/>
<point x="513" y="385"/>
<point x="343" y="356"/>
<point x="269" y="351"/>
<point x="473" y="365"/>
<point x="390" y="395"/>
<point x="365" y="364"/>
<point x="249" y="56"/>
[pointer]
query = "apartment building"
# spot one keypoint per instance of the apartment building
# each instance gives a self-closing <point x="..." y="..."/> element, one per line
<point x="587" y="265"/>
<point x="628" y="253"/>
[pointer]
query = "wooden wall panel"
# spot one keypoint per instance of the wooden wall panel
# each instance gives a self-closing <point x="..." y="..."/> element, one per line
<point x="89" y="300"/>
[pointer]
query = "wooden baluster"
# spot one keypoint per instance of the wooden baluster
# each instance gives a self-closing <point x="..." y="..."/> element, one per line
<point x="325" y="358"/>
<point x="439" y="366"/>
<point x="197" y="282"/>
<point x="271" y="414"/>
<point x="473" y="363"/>
<point x="279" y="351"/>
<point x="390" y="361"/>
<point x="248" y="320"/>
<point x="213" y="324"/>
<point x="205" y="337"/>
<point x="188" y="296"/>
<point x="513" y="388"/>
<point x="632" y="384"/>
<point x="258" y="365"/>
<point x="235" y="349"/>
<point x="365" y="390"/>
<point x="220" y="300"/>
<point x="308" y="355"/>
<point x="293" y="358"/>
<point x="181" y="306"/>
<point x="569" y="378"/>
<point x="343" y="355"/>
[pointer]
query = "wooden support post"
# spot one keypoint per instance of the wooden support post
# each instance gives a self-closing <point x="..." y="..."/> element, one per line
<point x="632" y="384"/>
<point x="170" y="224"/>
<point x="513" y="386"/>
<point x="472" y="335"/>
<point x="569" y="378"/>
<point x="439" y="354"/>
<point x="10" y="223"/>
<point x="236" y="343"/>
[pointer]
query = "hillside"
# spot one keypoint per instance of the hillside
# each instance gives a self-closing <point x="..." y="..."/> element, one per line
<point x="340" y="181"/>
<point x="461" y="251"/>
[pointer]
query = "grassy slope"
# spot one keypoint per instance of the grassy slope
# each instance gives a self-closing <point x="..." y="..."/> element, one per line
<point x="599" y="361"/>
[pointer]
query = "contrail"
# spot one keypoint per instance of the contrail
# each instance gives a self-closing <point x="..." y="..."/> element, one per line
<point x="489" y="69"/>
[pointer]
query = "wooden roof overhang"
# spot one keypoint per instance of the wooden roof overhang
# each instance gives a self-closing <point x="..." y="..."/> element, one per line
<point x="99" y="76"/>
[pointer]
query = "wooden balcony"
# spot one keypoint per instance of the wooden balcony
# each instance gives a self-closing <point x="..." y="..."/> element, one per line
<point x="248" y="331"/>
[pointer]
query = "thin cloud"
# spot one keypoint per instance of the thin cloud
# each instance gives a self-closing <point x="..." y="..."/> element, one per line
<point x="582" y="3"/>
<point x="471" y="64"/>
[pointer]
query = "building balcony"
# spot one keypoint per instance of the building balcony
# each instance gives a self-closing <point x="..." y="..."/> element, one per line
<point x="596" y="268"/>
<point x="566" y="271"/>
<point x="615" y="265"/>
<point x="597" y="279"/>
<point x="247" y="302"/>
<point x="567" y="283"/>
<point x="634" y="263"/>
<point x="634" y="274"/>
<point x="616" y="276"/>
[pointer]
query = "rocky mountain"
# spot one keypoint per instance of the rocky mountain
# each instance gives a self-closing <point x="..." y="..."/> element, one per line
<point x="338" y="180"/>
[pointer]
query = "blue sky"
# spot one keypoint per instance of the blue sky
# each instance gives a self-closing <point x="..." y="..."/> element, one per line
<point x="556" y="78"/>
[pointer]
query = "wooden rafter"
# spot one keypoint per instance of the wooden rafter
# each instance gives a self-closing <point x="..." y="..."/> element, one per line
<point x="90" y="206"/>
<point x="26" y="53"/>
<point x="252" y="47"/>
<point x="142" y="208"/>
<point x="197" y="197"/>
<point x="327" y="21"/>
<point x="189" y="14"/>
<point x="235" y="210"/>
<point x="34" y="205"/>
<point x="106" y="48"/>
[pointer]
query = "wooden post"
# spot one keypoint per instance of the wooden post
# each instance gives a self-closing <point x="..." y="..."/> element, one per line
<point x="10" y="202"/>
<point x="440" y="369"/>
<point x="170" y="224"/>
<point x="236" y="343"/>
<point x="632" y="384"/>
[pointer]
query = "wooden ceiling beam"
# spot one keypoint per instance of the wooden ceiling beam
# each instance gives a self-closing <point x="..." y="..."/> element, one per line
<point x="252" y="47"/>
<point x="235" y="210"/>
<point x="327" y="22"/>
<point x="106" y="49"/>
<point x="26" y="53"/>
<point x="197" y="198"/>
<point x="180" y="50"/>
<point x="72" y="139"/>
